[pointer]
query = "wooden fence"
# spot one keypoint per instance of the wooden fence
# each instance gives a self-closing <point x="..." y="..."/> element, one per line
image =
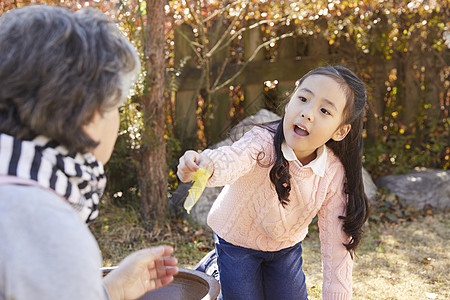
<point x="293" y="61"/>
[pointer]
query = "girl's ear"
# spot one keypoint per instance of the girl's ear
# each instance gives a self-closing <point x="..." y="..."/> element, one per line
<point x="341" y="132"/>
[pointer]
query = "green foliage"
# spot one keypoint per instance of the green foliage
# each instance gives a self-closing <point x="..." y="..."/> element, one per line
<point x="399" y="147"/>
<point x="121" y="169"/>
<point x="384" y="42"/>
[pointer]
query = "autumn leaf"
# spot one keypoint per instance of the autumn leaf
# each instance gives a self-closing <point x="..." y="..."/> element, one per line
<point x="200" y="179"/>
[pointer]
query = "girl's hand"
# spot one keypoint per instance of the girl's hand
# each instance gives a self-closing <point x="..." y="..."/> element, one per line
<point x="190" y="162"/>
<point x="140" y="272"/>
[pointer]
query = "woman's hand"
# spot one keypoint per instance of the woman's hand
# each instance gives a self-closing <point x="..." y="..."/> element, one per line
<point x="190" y="162"/>
<point x="140" y="272"/>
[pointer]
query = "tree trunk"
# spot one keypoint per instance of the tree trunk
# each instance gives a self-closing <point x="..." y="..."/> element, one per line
<point x="153" y="161"/>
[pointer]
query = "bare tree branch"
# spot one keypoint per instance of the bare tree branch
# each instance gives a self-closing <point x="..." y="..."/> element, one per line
<point x="226" y="32"/>
<point x="194" y="13"/>
<point x="221" y="11"/>
<point x="227" y="82"/>
<point x="243" y="29"/>
<point x="222" y="69"/>
<point x="191" y="43"/>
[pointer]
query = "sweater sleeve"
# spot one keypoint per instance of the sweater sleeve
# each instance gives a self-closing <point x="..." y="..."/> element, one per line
<point x="232" y="162"/>
<point x="50" y="253"/>
<point x="337" y="261"/>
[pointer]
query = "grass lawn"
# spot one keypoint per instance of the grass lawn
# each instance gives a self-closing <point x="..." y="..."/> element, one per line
<point x="410" y="260"/>
<point x="406" y="260"/>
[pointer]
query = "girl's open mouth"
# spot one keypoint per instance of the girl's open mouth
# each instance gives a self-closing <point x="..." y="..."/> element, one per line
<point x="300" y="131"/>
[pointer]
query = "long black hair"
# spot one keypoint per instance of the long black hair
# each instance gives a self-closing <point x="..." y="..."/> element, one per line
<point x="349" y="151"/>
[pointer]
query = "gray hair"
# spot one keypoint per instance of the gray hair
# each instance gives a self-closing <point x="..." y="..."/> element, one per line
<point x="57" y="68"/>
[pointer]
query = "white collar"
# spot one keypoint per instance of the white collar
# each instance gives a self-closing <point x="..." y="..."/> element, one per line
<point x="317" y="165"/>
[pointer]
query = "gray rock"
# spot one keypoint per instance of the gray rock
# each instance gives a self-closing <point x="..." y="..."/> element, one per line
<point x="261" y="117"/>
<point x="369" y="186"/>
<point x="419" y="188"/>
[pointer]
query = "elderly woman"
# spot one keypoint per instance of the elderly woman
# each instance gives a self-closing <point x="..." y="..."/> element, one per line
<point x="63" y="76"/>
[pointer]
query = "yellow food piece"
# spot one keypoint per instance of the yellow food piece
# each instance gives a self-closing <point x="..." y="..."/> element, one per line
<point x="200" y="178"/>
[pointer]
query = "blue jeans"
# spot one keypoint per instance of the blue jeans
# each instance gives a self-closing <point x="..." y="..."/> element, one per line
<point x="249" y="274"/>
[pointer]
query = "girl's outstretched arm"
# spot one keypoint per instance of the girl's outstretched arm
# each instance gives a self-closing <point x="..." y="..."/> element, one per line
<point x="232" y="162"/>
<point x="190" y="162"/>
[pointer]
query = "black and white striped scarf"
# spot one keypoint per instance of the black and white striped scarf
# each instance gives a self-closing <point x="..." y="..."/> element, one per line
<point x="79" y="178"/>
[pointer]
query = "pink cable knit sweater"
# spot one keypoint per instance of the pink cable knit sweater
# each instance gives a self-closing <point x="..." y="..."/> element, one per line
<point x="247" y="212"/>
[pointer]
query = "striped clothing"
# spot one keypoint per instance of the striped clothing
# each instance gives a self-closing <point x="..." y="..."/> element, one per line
<point x="79" y="178"/>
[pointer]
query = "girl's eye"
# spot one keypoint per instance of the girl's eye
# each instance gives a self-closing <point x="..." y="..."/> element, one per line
<point x="323" y="110"/>
<point x="303" y="99"/>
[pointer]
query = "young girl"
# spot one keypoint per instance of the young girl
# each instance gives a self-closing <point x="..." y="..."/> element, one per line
<point x="278" y="177"/>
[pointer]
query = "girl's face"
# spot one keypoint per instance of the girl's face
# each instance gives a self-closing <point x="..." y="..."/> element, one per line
<point x="314" y="115"/>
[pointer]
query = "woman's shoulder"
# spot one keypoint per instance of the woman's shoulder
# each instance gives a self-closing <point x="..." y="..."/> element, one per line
<point x="32" y="196"/>
<point x="49" y="213"/>
<point x="45" y="238"/>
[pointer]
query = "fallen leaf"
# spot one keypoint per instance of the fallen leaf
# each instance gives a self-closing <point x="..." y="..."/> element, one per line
<point x="426" y="261"/>
<point x="204" y="248"/>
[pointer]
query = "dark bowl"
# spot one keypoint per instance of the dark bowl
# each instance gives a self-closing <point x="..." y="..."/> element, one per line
<point x="187" y="285"/>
